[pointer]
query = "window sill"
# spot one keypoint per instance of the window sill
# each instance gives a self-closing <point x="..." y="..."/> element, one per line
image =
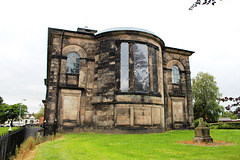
<point x="139" y="93"/>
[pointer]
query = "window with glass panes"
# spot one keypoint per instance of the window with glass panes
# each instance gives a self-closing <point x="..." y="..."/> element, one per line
<point x="141" y="68"/>
<point x="73" y="61"/>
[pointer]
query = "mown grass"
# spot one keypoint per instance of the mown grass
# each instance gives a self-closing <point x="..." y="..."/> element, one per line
<point x="4" y="130"/>
<point x="138" y="146"/>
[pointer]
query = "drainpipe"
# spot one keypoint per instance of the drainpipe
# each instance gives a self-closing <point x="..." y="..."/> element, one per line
<point x="164" y="90"/>
<point x="58" y="80"/>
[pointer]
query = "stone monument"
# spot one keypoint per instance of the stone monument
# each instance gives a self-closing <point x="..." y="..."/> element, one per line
<point x="202" y="133"/>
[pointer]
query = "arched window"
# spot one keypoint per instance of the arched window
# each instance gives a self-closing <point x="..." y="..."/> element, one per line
<point x="72" y="66"/>
<point x="175" y="75"/>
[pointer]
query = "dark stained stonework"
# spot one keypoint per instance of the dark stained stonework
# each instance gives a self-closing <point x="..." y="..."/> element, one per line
<point x="92" y="100"/>
<point x="202" y="133"/>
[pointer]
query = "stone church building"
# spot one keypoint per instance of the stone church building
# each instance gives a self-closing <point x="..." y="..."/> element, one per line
<point x="121" y="80"/>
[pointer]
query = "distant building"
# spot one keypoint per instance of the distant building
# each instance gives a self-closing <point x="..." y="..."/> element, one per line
<point x="121" y="79"/>
<point x="225" y="120"/>
<point x="28" y="119"/>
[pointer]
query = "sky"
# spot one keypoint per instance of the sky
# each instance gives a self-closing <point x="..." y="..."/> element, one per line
<point x="212" y="32"/>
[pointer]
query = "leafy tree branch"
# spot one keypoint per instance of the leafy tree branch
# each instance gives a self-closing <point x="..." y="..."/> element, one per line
<point x="235" y="103"/>
<point x="205" y="2"/>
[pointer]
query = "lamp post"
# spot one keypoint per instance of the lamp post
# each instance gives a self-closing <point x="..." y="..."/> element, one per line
<point x="20" y="111"/>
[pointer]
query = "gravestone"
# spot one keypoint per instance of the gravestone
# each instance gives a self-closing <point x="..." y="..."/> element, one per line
<point x="202" y="133"/>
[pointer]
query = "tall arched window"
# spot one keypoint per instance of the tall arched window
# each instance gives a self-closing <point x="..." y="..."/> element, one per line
<point x="72" y="66"/>
<point x="138" y="73"/>
<point x="175" y="74"/>
<point x="141" y="72"/>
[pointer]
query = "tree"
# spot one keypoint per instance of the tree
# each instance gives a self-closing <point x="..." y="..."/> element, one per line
<point x="205" y="93"/>
<point x="3" y="109"/>
<point x="1" y="100"/>
<point x="205" y="2"/>
<point x="11" y="111"/>
<point x="228" y="114"/>
<point x="40" y="113"/>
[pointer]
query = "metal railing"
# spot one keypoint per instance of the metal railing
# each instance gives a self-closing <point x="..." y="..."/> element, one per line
<point x="9" y="142"/>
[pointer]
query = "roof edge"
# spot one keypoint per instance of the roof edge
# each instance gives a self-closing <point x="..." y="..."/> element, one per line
<point x="179" y="51"/>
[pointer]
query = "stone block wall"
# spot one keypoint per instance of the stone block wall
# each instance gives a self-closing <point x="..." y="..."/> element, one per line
<point x="93" y="98"/>
<point x="114" y="108"/>
<point x="178" y="97"/>
<point x="72" y="94"/>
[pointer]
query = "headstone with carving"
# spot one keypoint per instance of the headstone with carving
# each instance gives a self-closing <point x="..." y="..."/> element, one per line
<point x="202" y="133"/>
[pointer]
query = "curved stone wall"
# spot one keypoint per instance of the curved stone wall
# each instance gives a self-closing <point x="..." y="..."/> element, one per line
<point x="134" y="107"/>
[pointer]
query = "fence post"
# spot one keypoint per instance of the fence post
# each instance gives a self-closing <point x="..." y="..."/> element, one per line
<point x="10" y="129"/>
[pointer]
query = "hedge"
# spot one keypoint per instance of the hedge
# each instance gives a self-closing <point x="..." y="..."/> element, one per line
<point x="228" y="125"/>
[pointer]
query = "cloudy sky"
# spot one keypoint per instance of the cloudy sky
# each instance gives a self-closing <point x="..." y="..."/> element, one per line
<point x="213" y="32"/>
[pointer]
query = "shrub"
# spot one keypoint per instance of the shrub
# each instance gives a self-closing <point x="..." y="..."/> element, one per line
<point x="229" y="125"/>
<point x="196" y="122"/>
<point x="30" y="143"/>
<point x="24" y="148"/>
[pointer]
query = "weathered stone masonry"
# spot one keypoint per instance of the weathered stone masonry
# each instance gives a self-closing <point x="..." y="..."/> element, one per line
<point x="117" y="80"/>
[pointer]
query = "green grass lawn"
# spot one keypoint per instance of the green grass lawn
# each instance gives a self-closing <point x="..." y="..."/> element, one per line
<point x="138" y="146"/>
<point x="4" y="130"/>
